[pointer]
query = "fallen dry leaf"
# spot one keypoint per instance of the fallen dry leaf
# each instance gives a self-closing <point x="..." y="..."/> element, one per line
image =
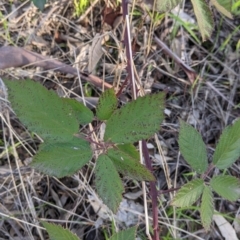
<point x="110" y="15"/>
<point x="225" y="227"/>
<point x="19" y="57"/>
<point x="95" y="52"/>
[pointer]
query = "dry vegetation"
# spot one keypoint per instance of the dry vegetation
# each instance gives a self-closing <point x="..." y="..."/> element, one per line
<point x="90" y="44"/>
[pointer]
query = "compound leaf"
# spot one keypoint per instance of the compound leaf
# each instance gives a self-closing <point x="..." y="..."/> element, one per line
<point x="83" y="114"/>
<point x="136" y="120"/>
<point x="39" y="4"/>
<point x="128" y="234"/>
<point x="42" y="111"/>
<point x="192" y="147"/>
<point x="227" y="187"/>
<point x="108" y="183"/>
<point x="207" y="209"/>
<point x="223" y="6"/>
<point x="128" y="165"/>
<point x="57" y="232"/>
<point x="204" y="17"/>
<point x="107" y="104"/>
<point x="189" y="193"/>
<point x="62" y="159"/>
<point x="228" y="150"/>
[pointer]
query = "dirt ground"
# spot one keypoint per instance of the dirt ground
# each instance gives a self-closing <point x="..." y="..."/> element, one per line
<point x="92" y="43"/>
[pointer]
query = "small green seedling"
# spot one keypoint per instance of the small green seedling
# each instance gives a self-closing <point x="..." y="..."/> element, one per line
<point x="65" y="150"/>
<point x="194" y="151"/>
<point x="80" y="6"/>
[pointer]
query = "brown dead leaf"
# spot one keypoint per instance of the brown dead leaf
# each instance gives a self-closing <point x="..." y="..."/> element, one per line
<point x="58" y="37"/>
<point x="110" y="15"/>
<point x="135" y="46"/>
<point x="19" y="57"/>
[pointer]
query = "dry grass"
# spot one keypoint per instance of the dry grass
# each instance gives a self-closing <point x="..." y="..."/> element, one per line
<point x="26" y="196"/>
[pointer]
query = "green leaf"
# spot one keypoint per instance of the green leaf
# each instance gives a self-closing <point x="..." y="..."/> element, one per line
<point x="108" y="183"/>
<point x="192" y="147"/>
<point x="190" y="27"/>
<point x="165" y="5"/>
<point x="204" y="18"/>
<point x="223" y="6"/>
<point x="207" y="209"/>
<point x="107" y="104"/>
<point x="42" y="111"/>
<point x="235" y="7"/>
<point x="227" y="187"/>
<point x="228" y="150"/>
<point x="189" y="193"/>
<point x="128" y="234"/>
<point x="57" y="232"/>
<point x="83" y="114"/>
<point x="39" y="4"/>
<point x="129" y="149"/>
<point x="128" y="165"/>
<point x="62" y="159"/>
<point x="137" y="120"/>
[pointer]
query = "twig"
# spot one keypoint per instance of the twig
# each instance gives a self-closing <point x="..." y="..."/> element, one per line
<point x="188" y="70"/>
<point x="130" y="70"/>
<point x="153" y="193"/>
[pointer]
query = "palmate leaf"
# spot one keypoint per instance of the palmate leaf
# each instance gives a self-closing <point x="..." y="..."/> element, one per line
<point x="83" y="114"/>
<point x="223" y="6"/>
<point x="136" y="120"/>
<point x="128" y="234"/>
<point x="42" y="111"/>
<point x="39" y="4"/>
<point x="204" y="18"/>
<point x="228" y="150"/>
<point x="108" y="183"/>
<point x="62" y="159"/>
<point x="107" y="104"/>
<point x="207" y="209"/>
<point x="128" y="165"/>
<point x="192" y="147"/>
<point x="188" y="193"/>
<point x="227" y="187"/>
<point x="57" y="232"/>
